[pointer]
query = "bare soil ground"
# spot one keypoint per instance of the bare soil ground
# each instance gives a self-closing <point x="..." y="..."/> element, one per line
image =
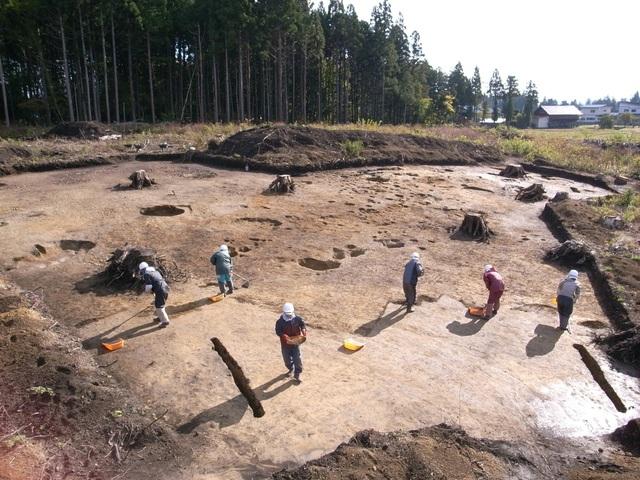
<point x="336" y="249"/>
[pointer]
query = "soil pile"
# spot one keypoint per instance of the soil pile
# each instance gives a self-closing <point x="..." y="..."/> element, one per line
<point x="302" y="149"/>
<point x="79" y="130"/>
<point x="623" y="346"/>
<point x="439" y="452"/>
<point x="11" y="155"/>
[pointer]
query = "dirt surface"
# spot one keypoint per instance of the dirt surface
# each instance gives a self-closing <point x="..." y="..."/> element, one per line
<point x="514" y="378"/>
<point x="80" y="130"/>
<point x="303" y="149"/>
<point x="60" y="406"/>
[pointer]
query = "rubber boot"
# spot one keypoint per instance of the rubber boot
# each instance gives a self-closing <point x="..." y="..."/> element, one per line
<point x="164" y="318"/>
<point x="488" y="311"/>
<point x="230" y="285"/>
<point x="221" y="287"/>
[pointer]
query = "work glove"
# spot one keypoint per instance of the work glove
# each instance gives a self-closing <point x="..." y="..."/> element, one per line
<point x="147" y="288"/>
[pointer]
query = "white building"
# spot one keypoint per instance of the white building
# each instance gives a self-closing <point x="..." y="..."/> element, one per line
<point x="628" y="107"/>
<point x="591" y="113"/>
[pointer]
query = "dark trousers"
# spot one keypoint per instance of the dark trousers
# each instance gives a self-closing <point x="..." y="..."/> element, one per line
<point x="292" y="358"/>
<point x="409" y="293"/>
<point x="565" y="309"/>
<point x="161" y="299"/>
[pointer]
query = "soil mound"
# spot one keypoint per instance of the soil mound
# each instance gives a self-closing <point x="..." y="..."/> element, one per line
<point x="629" y="435"/>
<point x="435" y="452"/>
<point x="11" y="155"/>
<point x="623" y="346"/>
<point x="79" y="130"/>
<point x="302" y="149"/>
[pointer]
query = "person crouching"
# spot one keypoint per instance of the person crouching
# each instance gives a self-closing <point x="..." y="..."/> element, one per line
<point x="495" y="284"/>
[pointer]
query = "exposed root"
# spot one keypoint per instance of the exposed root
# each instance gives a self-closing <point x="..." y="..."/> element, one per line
<point x="122" y="267"/>
<point x="623" y="346"/>
<point x="281" y="185"/>
<point x="570" y="253"/>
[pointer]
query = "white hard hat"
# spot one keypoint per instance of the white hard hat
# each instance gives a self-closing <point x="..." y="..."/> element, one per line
<point x="224" y="247"/>
<point x="487" y="268"/>
<point x="143" y="266"/>
<point x="415" y="256"/>
<point x="573" y="274"/>
<point x="288" y="308"/>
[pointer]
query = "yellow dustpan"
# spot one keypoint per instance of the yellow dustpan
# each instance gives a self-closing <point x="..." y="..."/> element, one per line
<point x="352" y="344"/>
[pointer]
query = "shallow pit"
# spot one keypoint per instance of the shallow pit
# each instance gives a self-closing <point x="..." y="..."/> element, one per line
<point x="320" y="265"/>
<point x="77" y="245"/>
<point x="162" y="211"/>
<point x="270" y="221"/>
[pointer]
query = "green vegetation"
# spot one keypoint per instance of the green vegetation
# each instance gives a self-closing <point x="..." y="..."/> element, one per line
<point x="626" y="205"/>
<point x="39" y="390"/>
<point x="606" y="121"/>
<point x="353" y="148"/>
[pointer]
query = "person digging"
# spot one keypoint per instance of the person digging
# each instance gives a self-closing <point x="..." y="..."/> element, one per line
<point x="223" y="264"/>
<point x="568" y="294"/>
<point x="292" y="332"/>
<point x="412" y="271"/>
<point x="154" y="283"/>
<point x="495" y="284"/>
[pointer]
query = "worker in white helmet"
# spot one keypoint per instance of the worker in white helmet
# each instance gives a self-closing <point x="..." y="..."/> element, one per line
<point x="568" y="294"/>
<point x="412" y="271"/>
<point x="221" y="260"/>
<point x="154" y="283"/>
<point x="292" y="332"/>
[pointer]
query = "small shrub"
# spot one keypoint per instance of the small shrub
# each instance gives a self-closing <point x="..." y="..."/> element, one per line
<point x="39" y="390"/>
<point x="353" y="148"/>
<point x="606" y="121"/>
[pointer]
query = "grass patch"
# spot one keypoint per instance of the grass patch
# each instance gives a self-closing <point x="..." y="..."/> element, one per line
<point x="353" y="148"/>
<point x="627" y="205"/>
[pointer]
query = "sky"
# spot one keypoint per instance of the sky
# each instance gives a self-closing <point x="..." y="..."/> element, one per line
<point x="571" y="49"/>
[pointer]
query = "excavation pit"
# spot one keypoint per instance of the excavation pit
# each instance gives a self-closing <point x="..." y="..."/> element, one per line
<point x="162" y="211"/>
<point x="77" y="245"/>
<point x="318" y="265"/>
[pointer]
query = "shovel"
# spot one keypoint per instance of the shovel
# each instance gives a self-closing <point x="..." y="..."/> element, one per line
<point x="246" y="283"/>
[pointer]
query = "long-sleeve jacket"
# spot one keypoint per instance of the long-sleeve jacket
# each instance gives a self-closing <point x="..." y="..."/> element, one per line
<point x="222" y="261"/>
<point x="412" y="270"/>
<point x="291" y="328"/>
<point x="154" y="279"/>
<point x="569" y="287"/>
<point x="493" y="281"/>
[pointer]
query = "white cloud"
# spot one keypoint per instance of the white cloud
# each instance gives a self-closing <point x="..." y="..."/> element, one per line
<point x="572" y="49"/>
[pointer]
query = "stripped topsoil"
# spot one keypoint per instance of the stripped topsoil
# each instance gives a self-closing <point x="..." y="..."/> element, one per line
<point x="612" y="266"/>
<point x="303" y="149"/>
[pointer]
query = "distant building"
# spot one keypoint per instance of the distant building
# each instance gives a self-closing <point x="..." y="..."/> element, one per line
<point x="591" y="113"/>
<point x="628" y="107"/>
<point x="556" y="116"/>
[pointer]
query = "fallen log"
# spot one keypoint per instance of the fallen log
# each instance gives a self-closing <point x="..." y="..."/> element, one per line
<point x="533" y="193"/>
<point x="239" y="378"/>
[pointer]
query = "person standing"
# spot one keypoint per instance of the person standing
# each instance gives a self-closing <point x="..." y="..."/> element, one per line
<point x="292" y="332"/>
<point x="224" y="268"/>
<point x="154" y="283"/>
<point x="568" y="294"/>
<point x="412" y="271"/>
<point x="495" y="284"/>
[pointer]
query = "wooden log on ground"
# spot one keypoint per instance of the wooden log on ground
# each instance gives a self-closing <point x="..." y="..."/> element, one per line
<point x="513" y="171"/>
<point x="281" y="185"/>
<point x="533" y="193"/>
<point x="239" y="378"/>
<point x="474" y="226"/>
<point x="140" y="179"/>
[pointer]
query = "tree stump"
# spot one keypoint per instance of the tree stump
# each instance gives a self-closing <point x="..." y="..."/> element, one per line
<point x="281" y="185"/>
<point x="570" y="253"/>
<point x="533" y="193"/>
<point x="560" y="196"/>
<point x="140" y="179"/>
<point x="474" y="226"/>
<point x="513" y="171"/>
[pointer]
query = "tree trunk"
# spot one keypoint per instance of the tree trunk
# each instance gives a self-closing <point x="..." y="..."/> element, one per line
<point x="151" y="100"/>
<point x="200" y="79"/>
<point x="106" y="76"/>
<point x="131" y="90"/>
<point x="94" y="86"/>
<point x="278" y="93"/>
<point x="7" y="122"/>
<point x="67" y="84"/>
<point x="170" y="78"/>
<point x="293" y="83"/>
<point x="216" y="91"/>
<point x="86" y="68"/>
<point x="227" y="93"/>
<point x="249" y="112"/>
<point x="304" y="85"/>
<point x="115" y="71"/>
<point x="240" y="82"/>
<point x="319" y="118"/>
